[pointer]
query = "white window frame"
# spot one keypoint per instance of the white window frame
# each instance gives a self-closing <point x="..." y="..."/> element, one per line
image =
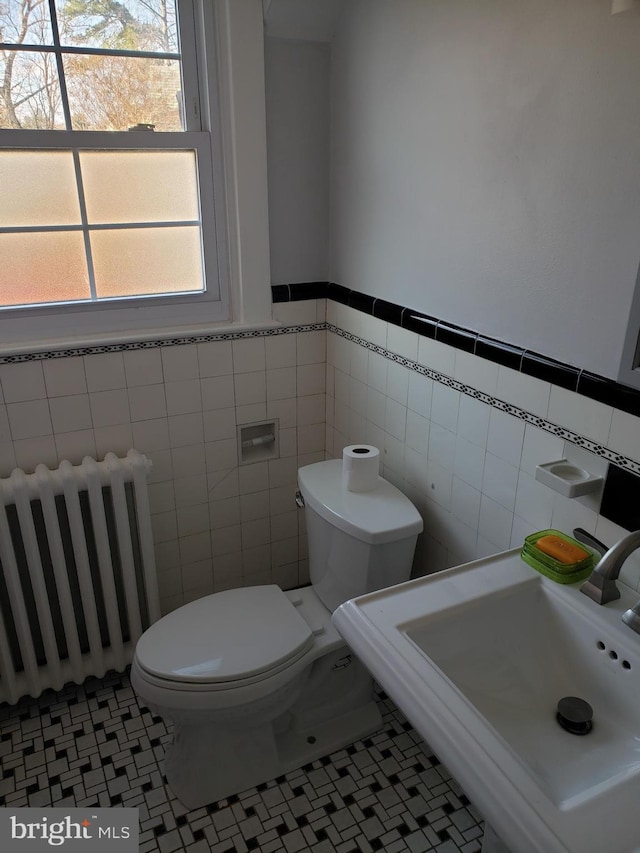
<point x="82" y="322"/>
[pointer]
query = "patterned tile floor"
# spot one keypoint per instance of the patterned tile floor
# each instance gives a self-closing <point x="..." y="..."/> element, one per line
<point x="95" y="745"/>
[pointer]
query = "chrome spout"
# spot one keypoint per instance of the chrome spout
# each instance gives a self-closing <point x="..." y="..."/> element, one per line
<point x="601" y="585"/>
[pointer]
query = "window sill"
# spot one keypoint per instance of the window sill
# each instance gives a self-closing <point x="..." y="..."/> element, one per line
<point x="148" y="336"/>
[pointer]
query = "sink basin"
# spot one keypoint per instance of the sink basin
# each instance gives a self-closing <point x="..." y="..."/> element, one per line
<point x="478" y="657"/>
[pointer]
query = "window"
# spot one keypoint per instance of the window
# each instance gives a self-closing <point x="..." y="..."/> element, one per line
<point x="106" y="170"/>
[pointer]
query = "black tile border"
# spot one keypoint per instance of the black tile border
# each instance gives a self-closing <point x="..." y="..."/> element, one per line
<point x="534" y="364"/>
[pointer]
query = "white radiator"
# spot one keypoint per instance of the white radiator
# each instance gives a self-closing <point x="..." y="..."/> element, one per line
<point x="77" y="583"/>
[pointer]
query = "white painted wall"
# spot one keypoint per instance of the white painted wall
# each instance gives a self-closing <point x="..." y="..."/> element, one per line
<point x="297" y="96"/>
<point x="485" y="166"/>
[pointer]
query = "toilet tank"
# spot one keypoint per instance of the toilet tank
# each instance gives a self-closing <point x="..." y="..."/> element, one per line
<point x="358" y="541"/>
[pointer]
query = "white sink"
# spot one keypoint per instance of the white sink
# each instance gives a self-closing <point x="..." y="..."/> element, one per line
<point x="478" y="657"/>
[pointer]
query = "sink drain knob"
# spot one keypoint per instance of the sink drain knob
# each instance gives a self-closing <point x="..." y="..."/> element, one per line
<point x="575" y="715"/>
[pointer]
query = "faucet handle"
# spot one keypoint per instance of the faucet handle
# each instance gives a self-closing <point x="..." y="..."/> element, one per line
<point x="583" y="536"/>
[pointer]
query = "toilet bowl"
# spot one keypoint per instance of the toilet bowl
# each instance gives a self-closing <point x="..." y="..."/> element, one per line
<point x="257" y="681"/>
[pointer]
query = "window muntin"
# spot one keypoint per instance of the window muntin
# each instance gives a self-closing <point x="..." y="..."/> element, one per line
<point x="90" y="182"/>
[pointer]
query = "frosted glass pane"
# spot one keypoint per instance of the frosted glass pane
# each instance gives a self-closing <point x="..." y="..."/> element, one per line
<point x="128" y="24"/>
<point x="119" y="92"/>
<point x="42" y="267"/>
<point x="147" y="261"/>
<point x="25" y="23"/>
<point x="34" y="100"/>
<point x="140" y="186"/>
<point x="38" y="188"/>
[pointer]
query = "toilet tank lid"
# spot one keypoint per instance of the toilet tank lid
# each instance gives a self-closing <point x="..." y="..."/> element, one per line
<point x="229" y="636"/>
<point x="384" y="515"/>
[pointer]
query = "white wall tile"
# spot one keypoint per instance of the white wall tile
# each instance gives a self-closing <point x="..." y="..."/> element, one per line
<point x="109" y="407"/>
<point x="420" y="392"/>
<point x="506" y="436"/>
<point x="29" y="419"/>
<point x="395" y="422"/>
<point x="190" y="491"/>
<point x="402" y="342"/>
<point x="494" y="523"/>
<point x="442" y="445"/>
<point x="523" y="391"/>
<point x="254" y="505"/>
<point x="64" y="376"/>
<point x="70" y="413"/>
<point x="398" y="382"/>
<point x="624" y="435"/>
<point x="280" y="351"/>
<point x="215" y="358"/>
<point x="150" y="435"/>
<point x="183" y="397"/>
<point x="30" y="452"/>
<point x="143" y="367"/>
<point x="219" y="424"/>
<point x="7" y="458"/>
<point x="251" y="413"/>
<point x="185" y="430"/>
<point x="437" y="356"/>
<point x="479" y="373"/>
<point x="105" y="371"/>
<point x="469" y="462"/>
<point x="440" y="482"/>
<point x="465" y="502"/>
<point x="217" y="392"/>
<point x="310" y="438"/>
<point x="189" y="460"/>
<point x="248" y="355"/>
<point x="473" y="420"/>
<point x="539" y="447"/>
<point x="311" y="409"/>
<point x="120" y="438"/>
<point x="500" y="481"/>
<point x="5" y="431"/>
<point x="374" y="330"/>
<point x="311" y="347"/>
<point x="376" y="407"/>
<point x="180" y="362"/>
<point x="417" y="434"/>
<point x="534" y="502"/>
<point x="377" y="372"/>
<point x="147" y="402"/>
<point x="295" y="313"/>
<point x="250" y="388"/>
<point x="161" y="497"/>
<point x="224" y="513"/>
<point x="281" y="383"/>
<point x="586" y="417"/>
<point x="22" y="381"/>
<point x="445" y="404"/>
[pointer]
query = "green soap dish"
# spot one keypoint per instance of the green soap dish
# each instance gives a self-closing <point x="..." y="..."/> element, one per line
<point x="558" y="576"/>
<point x="544" y="559"/>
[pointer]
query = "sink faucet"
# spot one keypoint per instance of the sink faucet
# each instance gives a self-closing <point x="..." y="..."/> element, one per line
<point x="601" y="586"/>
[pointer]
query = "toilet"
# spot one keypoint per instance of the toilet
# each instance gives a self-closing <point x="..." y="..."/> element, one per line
<point x="257" y="681"/>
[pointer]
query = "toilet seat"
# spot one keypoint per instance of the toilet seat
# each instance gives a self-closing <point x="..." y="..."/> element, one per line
<point x="239" y="636"/>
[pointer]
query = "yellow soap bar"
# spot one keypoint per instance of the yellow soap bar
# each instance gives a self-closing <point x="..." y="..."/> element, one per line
<point x="560" y="550"/>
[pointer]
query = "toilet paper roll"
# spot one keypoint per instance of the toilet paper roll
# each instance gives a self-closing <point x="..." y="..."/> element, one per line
<point x="360" y="467"/>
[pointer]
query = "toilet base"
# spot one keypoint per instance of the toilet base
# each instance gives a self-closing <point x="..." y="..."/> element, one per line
<point x="206" y="763"/>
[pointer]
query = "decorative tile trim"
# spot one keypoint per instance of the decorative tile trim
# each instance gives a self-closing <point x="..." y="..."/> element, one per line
<point x="568" y="376"/>
<point x="548" y="426"/>
<point x="128" y="346"/>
